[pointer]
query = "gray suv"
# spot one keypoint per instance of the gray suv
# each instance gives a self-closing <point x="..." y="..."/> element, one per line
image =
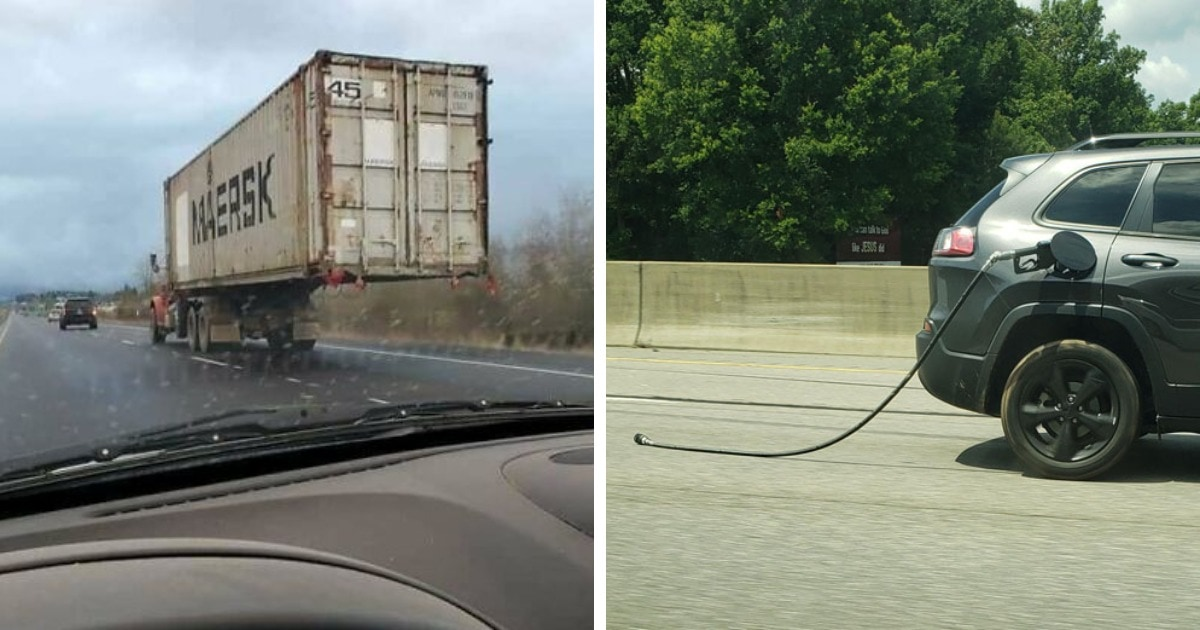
<point x="1077" y="369"/>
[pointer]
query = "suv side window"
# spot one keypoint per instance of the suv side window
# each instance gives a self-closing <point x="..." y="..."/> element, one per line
<point x="1177" y="200"/>
<point x="1099" y="197"/>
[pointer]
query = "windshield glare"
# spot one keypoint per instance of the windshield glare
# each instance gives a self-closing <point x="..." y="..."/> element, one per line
<point x="187" y="249"/>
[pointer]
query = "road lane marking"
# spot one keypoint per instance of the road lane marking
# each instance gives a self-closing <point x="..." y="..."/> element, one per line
<point x="209" y="361"/>
<point x="378" y="401"/>
<point x="292" y="380"/>
<point x="641" y="400"/>
<point x="137" y="328"/>
<point x="410" y="355"/>
<point x="236" y="367"/>
<point x="4" y="332"/>
<point x="770" y="366"/>
<point x="128" y="342"/>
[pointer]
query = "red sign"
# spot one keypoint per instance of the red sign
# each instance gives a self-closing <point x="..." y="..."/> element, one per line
<point x="872" y="245"/>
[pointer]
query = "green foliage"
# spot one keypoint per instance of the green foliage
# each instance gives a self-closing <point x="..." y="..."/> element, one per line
<point x="756" y="130"/>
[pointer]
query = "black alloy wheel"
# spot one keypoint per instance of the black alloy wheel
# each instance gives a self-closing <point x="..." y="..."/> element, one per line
<point x="1071" y="410"/>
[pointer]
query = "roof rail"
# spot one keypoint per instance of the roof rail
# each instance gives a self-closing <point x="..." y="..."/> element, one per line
<point x="1130" y="140"/>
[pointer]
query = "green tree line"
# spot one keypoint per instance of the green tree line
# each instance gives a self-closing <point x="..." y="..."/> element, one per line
<point x="759" y="130"/>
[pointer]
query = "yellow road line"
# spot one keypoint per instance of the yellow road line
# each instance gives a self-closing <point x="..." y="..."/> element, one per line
<point x="768" y="366"/>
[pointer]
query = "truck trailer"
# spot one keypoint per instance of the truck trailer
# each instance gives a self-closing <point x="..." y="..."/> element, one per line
<point x="356" y="169"/>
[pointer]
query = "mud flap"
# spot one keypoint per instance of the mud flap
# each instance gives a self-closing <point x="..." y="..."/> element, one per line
<point x="305" y="330"/>
<point x="226" y="333"/>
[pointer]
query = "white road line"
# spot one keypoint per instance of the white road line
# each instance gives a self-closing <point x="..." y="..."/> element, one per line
<point x="641" y="400"/>
<point x="236" y="367"/>
<point x="409" y="355"/>
<point x="4" y="331"/>
<point x="209" y="361"/>
<point x="312" y="384"/>
<point x="292" y="380"/>
<point x="128" y="342"/>
<point x="378" y="401"/>
<point x="138" y="328"/>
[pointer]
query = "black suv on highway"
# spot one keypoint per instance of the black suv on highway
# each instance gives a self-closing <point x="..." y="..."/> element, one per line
<point x="1077" y="368"/>
<point x="77" y="312"/>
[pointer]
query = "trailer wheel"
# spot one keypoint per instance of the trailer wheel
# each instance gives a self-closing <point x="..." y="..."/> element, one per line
<point x="277" y="340"/>
<point x="193" y="336"/>
<point x="204" y="332"/>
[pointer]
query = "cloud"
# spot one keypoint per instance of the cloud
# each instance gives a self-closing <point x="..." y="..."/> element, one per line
<point x="1165" y="79"/>
<point x="1152" y="22"/>
<point x="29" y="190"/>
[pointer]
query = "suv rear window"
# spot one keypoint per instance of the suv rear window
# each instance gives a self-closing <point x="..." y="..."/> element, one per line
<point x="1099" y="197"/>
<point x="971" y="218"/>
<point x="79" y="304"/>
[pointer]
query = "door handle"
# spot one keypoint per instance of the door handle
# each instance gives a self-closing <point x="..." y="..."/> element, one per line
<point x="1151" y="261"/>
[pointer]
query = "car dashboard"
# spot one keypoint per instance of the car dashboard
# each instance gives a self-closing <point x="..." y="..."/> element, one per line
<point x="492" y="534"/>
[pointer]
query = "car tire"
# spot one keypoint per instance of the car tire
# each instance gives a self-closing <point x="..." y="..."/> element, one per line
<point x="92" y="326"/>
<point x="1071" y="410"/>
<point x="203" y="333"/>
<point x="193" y="331"/>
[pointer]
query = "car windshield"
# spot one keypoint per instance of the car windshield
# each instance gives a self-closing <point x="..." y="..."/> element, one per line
<point x="323" y="205"/>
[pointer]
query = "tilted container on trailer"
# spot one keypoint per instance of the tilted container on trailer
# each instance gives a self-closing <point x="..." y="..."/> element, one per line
<point x="356" y="168"/>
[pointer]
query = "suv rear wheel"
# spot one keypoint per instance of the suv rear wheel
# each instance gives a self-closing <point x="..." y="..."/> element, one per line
<point x="1070" y="409"/>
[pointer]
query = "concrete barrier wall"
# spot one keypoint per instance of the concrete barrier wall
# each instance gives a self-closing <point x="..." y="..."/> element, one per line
<point x="622" y="303"/>
<point x="833" y="309"/>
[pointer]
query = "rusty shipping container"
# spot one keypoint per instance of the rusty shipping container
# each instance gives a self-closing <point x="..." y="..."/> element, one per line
<point x="372" y="166"/>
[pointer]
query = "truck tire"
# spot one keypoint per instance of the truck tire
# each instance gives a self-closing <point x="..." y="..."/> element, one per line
<point x="1071" y="410"/>
<point x="203" y="332"/>
<point x="181" y="319"/>
<point x="193" y="336"/>
<point x="304" y="345"/>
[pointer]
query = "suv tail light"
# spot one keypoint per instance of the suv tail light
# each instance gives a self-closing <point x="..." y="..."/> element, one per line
<point x="955" y="241"/>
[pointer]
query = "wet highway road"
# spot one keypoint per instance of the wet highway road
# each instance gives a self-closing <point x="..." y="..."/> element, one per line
<point x="67" y="387"/>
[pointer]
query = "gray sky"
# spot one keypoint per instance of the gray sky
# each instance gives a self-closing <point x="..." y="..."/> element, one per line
<point x="1169" y="32"/>
<point x="104" y="100"/>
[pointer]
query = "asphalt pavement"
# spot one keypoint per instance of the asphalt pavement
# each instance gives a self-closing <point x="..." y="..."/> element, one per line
<point x="924" y="519"/>
<point x="60" y="388"/>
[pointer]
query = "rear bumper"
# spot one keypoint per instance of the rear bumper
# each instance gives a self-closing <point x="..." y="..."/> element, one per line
<point x="952" y="377"/>
<point x="77" y="320"/>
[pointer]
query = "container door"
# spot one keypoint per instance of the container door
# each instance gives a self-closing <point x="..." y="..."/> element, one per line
<point x="407" y="192"/>
<point x="366" y="215"/>
<point x="448" y="137"/>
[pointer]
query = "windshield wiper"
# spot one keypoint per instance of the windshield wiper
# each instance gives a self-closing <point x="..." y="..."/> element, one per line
<point x="225" y="426"/>
<point x="231" y="426"/>
<point x="456" y="408"/>
<point x="211" y="433"/>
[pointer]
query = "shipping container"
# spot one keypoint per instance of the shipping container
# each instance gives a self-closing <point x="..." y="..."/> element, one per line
<point x="368" y="167"/>
<point x="357" y="168"/>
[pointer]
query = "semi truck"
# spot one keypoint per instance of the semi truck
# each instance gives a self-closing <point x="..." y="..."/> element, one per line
<point x="357" y="169"/>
